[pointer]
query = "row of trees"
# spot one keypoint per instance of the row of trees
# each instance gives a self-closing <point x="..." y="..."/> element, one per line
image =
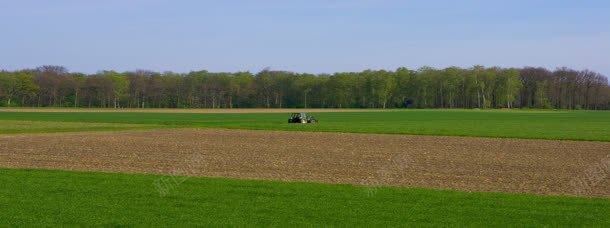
<point x="453" y="87"/>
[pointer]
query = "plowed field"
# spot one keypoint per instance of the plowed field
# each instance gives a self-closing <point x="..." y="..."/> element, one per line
<point x="461" y="163"/>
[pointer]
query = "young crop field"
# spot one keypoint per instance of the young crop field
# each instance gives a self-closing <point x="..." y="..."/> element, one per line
<point x="559" y="125"/>
<point x="60" y="198"/>
<point x="20" y="126"/>
<point x="83" y="167"/>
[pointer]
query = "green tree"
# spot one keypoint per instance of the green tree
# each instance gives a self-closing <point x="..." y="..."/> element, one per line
<point x="508" y="87"/>
<point x="340" y="86"/>
<point x="382" y="84"/>
<point x="305" y="83"/>
<point x="120" y="86"/>
<point x="542" y="100"/>
<point x="9" y="86"/>
<point x="405" y="86"/>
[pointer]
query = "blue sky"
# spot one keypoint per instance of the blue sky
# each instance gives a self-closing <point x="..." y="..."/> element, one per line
<point x="313" y="36"/>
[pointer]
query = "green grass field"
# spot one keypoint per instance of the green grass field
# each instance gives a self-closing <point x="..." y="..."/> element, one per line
<point x="562" y="125"/>
<point x="62" y="198"/>
<point x="19" y="126"/>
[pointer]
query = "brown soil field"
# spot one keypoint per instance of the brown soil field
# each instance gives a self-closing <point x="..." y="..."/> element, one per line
<point x="460" y="163"/>
<point x="173" y="110"/>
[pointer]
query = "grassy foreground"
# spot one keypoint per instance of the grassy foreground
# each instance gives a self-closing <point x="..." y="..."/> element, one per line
<point x="568" y="125"/>
<point x="60" y="198"/>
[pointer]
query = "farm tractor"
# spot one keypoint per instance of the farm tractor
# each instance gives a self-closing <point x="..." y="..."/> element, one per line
<point x="301" y="118"/>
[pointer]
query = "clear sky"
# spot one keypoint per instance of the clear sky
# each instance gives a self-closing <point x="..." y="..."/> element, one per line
<point x="315" y="36"/>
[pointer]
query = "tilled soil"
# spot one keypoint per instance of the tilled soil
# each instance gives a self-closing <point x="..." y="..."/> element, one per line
<point x="461" y="163"/>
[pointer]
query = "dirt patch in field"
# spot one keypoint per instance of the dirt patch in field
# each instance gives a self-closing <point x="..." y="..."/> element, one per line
<point x="460" y="163"/>
<point x="170" y="110"/>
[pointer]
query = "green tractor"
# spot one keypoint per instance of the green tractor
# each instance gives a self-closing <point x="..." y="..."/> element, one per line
<point x="301" y="118"/>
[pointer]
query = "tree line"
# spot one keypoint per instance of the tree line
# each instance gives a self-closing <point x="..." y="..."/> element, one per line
<point x="453" y="87"/>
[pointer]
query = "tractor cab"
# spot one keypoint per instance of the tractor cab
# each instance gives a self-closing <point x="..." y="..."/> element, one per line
<point x="301" y="117"/>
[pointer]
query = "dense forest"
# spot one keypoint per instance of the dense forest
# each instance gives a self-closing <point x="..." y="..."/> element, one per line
<point x="453" y="87"/>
